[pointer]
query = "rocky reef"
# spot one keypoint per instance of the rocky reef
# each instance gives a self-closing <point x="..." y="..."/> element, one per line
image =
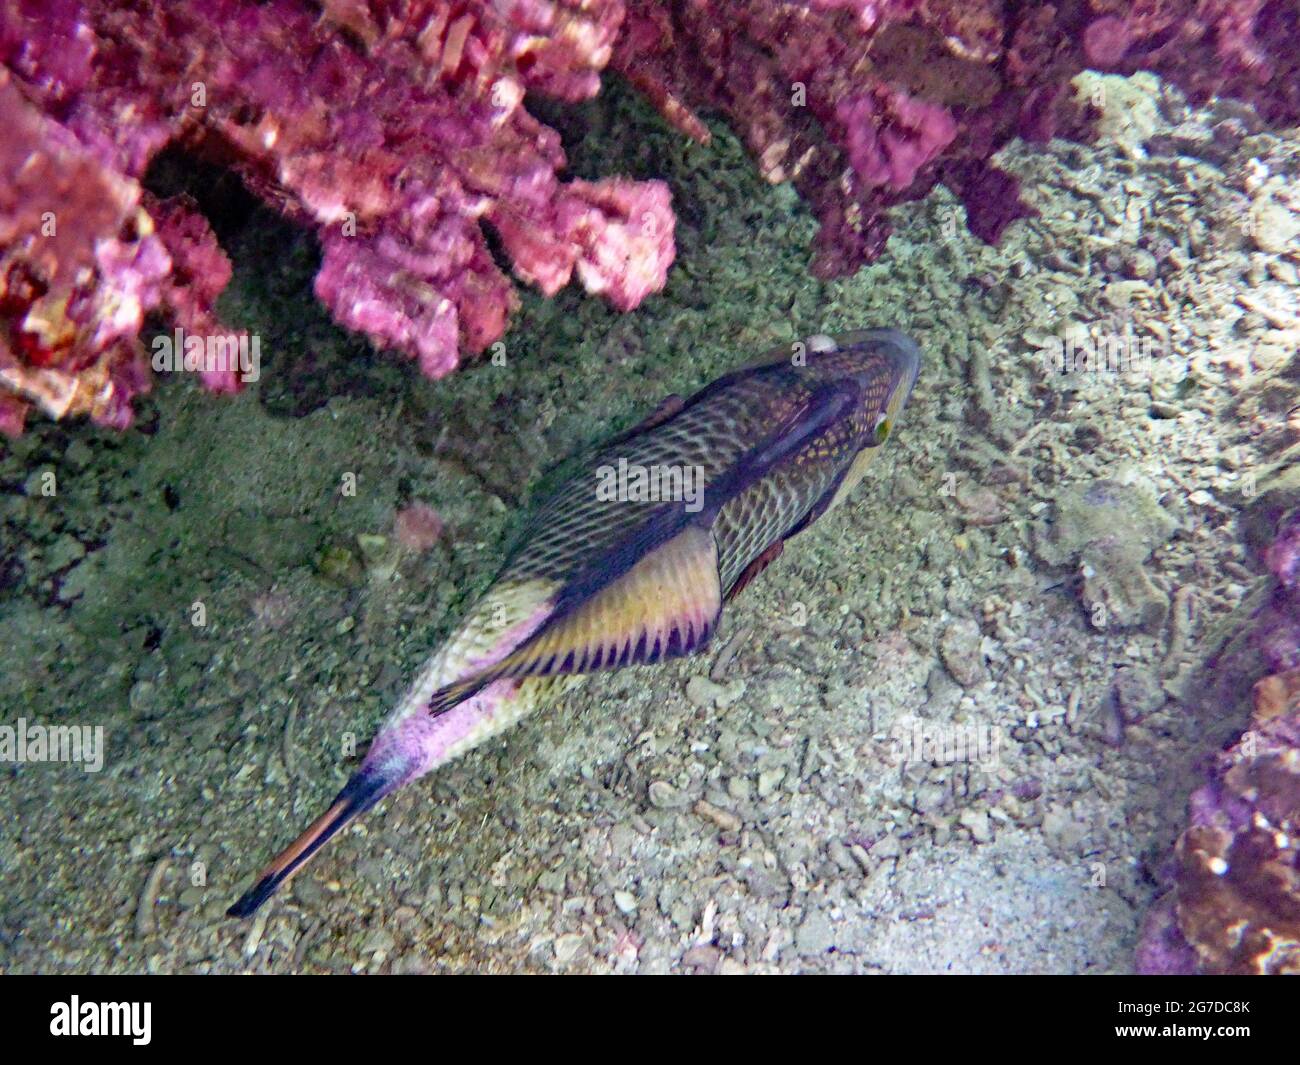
<point x="399" y="132"/>
<point x="1233" y="905"/>
<point x="1107" y="529"/>
<point x="868" y="103"/>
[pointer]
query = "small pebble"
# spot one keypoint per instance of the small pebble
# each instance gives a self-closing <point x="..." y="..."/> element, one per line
<point x="552" y="881"/>
<point x="976" y="822"/>
<point x="738" y="788"/>
<point x="724" y="819"/>
<point x="664" y="796"/>
<point x="887" y="848"/>
<point x="381" y="941"/>
<point x="815" y="934"/>
<point x="308" y="892"/>
<point x="567" y="947"/>
<point x="701" y="691"/>
<point x="769" y="780"/>
<point x="959" y="650"/>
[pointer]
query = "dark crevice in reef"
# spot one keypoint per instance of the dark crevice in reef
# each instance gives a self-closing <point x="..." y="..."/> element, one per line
<point x="305" y="357"/>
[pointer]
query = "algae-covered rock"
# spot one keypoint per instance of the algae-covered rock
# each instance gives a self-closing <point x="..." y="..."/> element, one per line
<point x="1130" y="110"/>
<point x="1108" y="529"/>
<point x="1235" y="903"/>
<point x="339" y="565"/>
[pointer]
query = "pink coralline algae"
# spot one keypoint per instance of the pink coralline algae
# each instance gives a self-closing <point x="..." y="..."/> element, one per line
<point x="865" y="104"/>
<point x="80" y="263"/>
<point x="891" y="135"/>
<point x="417" y="527"/>
<point x="397" y="130"/>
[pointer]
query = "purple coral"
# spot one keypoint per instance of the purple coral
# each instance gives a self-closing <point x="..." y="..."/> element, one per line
<point x="1234" y="900"/>
<point x="1283" y="554"/>
<point x="1235" y="903"/>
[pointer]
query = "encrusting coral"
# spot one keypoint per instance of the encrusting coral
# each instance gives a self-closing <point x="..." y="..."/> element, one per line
<point x="398" y="130"/>
<point x="867" y="103"/>
<point x="1234" y="901"/>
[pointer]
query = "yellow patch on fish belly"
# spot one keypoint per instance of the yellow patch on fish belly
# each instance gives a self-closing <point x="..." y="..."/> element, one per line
<point x="853" y="477"/>
<point x="666" y="605"/>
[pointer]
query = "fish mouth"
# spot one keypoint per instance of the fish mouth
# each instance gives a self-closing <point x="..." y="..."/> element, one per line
<point x="904" y="355"/>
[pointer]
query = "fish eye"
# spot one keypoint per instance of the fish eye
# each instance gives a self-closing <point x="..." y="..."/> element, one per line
<point x="883" y="426"/>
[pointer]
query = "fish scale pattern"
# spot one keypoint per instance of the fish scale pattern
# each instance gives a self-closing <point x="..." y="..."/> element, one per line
<point x="713" y="432"/>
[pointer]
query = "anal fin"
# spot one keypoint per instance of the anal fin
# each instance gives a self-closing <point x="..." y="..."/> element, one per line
<point x="665" y="605"/>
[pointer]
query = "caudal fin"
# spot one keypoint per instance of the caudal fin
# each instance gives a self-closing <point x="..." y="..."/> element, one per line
<point x="358" y="795"/>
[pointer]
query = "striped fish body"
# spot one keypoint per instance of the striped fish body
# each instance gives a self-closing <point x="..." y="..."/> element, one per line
<point x="631" y="560"/>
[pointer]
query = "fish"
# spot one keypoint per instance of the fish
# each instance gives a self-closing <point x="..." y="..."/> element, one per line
<point x="632" y="559"/>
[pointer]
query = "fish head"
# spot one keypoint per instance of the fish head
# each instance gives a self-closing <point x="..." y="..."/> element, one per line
<point x="884" y="364"/>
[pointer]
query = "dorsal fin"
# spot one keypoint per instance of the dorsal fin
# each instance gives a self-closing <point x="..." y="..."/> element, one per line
<point x="669" y="407"/>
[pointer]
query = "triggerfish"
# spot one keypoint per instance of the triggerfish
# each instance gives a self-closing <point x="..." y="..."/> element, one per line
<point x="630" y="561"/>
